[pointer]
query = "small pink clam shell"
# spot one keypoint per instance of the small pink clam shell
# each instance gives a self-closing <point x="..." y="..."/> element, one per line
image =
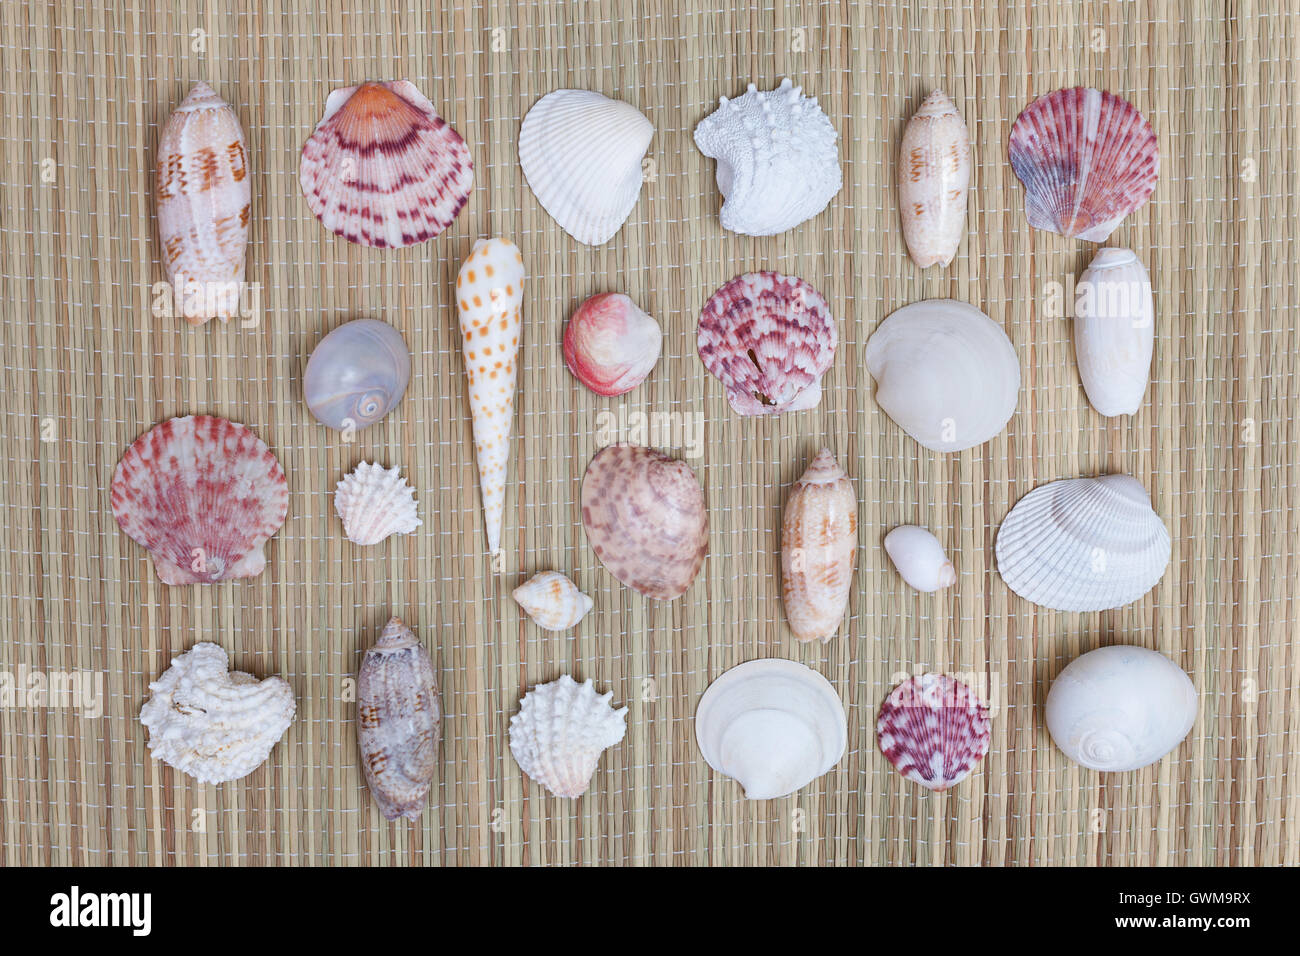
<point x="934" y="730"/>
<point x="769" y="339"/>
<point x="202" y="495"/>
<point x="611" y="345"/>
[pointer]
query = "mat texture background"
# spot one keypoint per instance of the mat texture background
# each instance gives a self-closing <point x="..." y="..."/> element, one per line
<point x="87" y="368"/>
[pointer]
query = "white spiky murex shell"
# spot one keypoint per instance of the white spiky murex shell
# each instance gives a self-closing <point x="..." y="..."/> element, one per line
<point x="1083" y="544"/>
<point x="819" y="546"/>
<point x="919" y="558"/>
<point x="213" y="723"/>
<point x="375" y="502"/>
<point x="933" y="178"/>
<point x="1114" y="331"/>
<point x="560" y="732"/>
<point x="778" y="163"/>
<point x="581" y="155"/>
<point x="772" y="725"/>
<point x="552" y="601"/>
<point x="945" y="372"/>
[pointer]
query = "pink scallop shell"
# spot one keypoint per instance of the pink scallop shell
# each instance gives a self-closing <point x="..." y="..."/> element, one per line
<point x="769" y="339"/>
<point x="934" y="730"/>
<point x="202" y="495"/>
<point x="382" y="168"/>
<point x="1087" y="158"/>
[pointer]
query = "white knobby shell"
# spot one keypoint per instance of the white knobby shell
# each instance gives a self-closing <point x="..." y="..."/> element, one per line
<point x="945" y="372"/>
<point x="1083" y="544"/>
<point x="1114" y="331"/>
<point x="919" y="558"/>
<point x="581" y="155"/>
<point x="771" y="724"/>
<point x="552" y="601"/>
<point x="375" y="502"/>
<point x="213" y="723"/>
<point x="778" y="163"/>
<point x="1120" y="707"/>
<point x="560" y="732"/>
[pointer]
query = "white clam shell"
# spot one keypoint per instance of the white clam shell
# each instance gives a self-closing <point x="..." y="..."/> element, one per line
<point x="581" y="154"/>
<point x="1119" y="708"/>
<point x="773" y="725"/>
<point x="552" y="601"/>
<point x="560" y="732"/>
<point x="213" y="723"/>
<point x="1083" y="544"/>
<point x="1114" y="331"/>
<point x="375" y="502"/>
<point x="919" y="558"/>
<point x="945" y="372"/>
<point x="778" y="163"/>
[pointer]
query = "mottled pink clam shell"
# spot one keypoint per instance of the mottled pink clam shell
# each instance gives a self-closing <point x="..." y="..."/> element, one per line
<point x="934" y="730"/>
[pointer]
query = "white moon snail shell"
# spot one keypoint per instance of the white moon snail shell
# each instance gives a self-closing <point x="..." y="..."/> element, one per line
<point x="356" y="374"/>
<point x="1119" y="708"/>
<point x="919" y="558"/>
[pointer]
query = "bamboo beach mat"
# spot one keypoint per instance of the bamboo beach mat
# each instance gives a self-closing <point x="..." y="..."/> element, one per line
<point x="88" y="367"/>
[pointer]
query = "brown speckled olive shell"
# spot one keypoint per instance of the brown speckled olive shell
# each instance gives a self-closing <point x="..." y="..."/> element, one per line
<point x="644" y="516"/>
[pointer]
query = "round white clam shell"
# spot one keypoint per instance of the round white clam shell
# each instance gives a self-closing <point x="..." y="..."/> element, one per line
<point x="1083" y="544"/>
<point x="773" y="725"/>
<point x="1119" y="708"/>
<point x="1114" y="331"/>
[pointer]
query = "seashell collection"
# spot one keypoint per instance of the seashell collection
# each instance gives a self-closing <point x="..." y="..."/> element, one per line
<point x="203" y="495"/>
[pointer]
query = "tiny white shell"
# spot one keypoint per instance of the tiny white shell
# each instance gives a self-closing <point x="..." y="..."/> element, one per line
<point x="1120" y="707"/>
<point x="552" y="601"/>
<point x="1114" y="331"/>
<point x="919" y="558"/>
<point x="560" y="732"/>
<point x="375" y="502"/>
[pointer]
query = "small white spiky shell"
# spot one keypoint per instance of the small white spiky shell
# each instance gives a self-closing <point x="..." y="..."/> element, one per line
<point x="552" y="601"/>
<point x="919" y="558"/>
<point x="1114" y="331"/>
<point x="213" y="723"/>
<point x="778" y="163"/>
<point x="560" y="732"/>
<point x="375" y="502"/>
<point x="1083" y="544"/>
<point x="581" y="155"/>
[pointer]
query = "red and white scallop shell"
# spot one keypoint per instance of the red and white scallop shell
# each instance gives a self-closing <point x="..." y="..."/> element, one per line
<point x="382" y="168"/>
<point x="203" y="495"/>
<point x="934" y="730"/>
<point x="1087" y="158"/>
<point x="769" y="339"/>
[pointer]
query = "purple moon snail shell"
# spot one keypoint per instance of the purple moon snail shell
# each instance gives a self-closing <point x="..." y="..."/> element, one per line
<point x="357" y="374"/>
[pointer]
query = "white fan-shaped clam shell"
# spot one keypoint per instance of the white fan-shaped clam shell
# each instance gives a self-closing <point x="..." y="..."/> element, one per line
<point x="375" y="502"/>
<point x="773" y="725"/>
<point x="552" y="601"/>
<point x="1083" y="544"/>
<point x="778" y="163"/>
<point x="560" y="732"/>
<point x="945" y="372"/>
<point x="919" y="558"/>
<point x="1114" y="331"/>
<point x="581" y="154"/>
<point x="1120" y="707"/>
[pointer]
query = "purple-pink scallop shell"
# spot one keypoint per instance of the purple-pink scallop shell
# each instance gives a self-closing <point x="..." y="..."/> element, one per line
<point x="1087" y="158"/>
<point x="934" y="730"/>
<point x="769" y="339"/>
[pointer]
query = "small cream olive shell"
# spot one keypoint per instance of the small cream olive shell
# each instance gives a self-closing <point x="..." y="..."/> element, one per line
<point x="357" y="374"/>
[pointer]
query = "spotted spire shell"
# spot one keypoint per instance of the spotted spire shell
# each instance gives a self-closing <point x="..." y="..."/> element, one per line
<point x="399" y="721"/>
<point x="1087" y="158"/>
<point x="489" y="294"/>
<point x="769" y="339"/>
<point x="203" y="200"/>
<point x="819" y="546"/>
<point x="933" y="179"/>
<point x="382" y="168"/>
<point x="203" y="495"/>
<point x="934" y="730"/>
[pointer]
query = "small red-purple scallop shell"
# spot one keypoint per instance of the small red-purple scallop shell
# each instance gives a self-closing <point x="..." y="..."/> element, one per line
<point x="934" y="730"/>
<point x="1087" y="158"/>
<point x="769" y="339"/>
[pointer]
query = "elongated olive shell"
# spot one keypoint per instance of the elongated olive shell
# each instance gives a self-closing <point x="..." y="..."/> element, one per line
<point x="357" y="374"/>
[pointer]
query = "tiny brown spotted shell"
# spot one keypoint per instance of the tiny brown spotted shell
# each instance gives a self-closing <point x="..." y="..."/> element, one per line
<point x="644" y="515"/>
